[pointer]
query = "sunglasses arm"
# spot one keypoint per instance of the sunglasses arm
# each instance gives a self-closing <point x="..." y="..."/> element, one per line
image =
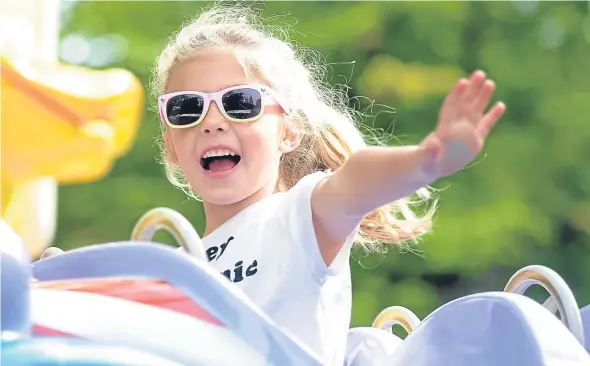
<point x="279" y="100"/>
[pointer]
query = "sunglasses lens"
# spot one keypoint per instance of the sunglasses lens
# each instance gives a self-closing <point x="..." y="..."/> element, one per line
<point x="242" y="104"/>
<point x="182" y="110"/>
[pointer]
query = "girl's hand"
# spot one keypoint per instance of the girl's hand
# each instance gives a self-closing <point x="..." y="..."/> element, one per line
<point x="463" y="125"/>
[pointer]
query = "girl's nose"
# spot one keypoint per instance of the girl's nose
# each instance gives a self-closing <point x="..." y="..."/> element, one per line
<point x="214" y="121"/>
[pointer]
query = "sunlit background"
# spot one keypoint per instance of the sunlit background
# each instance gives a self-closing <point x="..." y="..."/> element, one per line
<point x="527" y="201"/>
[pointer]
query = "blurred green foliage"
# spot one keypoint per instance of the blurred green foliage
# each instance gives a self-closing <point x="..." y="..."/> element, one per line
<point x="526" y="201"/>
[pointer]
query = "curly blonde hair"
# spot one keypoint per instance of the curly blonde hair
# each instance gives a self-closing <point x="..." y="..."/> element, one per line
<point x="328" y="124"/>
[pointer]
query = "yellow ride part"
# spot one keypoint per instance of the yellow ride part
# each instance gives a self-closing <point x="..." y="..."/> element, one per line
<point x="60" y="123"/>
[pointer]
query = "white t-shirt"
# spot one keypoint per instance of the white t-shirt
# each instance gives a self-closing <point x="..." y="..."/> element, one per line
<point x="270" y="251"/>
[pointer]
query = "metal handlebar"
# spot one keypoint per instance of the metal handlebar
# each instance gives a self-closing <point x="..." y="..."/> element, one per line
<point x="396" y="315"/>
<point x="561" y="295"/>
<point x="162" y="218"/>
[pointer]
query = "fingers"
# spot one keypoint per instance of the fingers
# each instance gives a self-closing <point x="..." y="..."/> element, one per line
<point x="458" y="91"/>
<point x="490" y="119"/>
<point x="450" y="106"/>
<point x="476" y="82"/>
<point x="482" y="99"/>
<point x="469" y="100"/>
<point x="476" y="98"/>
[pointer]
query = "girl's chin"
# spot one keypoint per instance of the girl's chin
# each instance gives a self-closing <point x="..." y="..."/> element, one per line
<point x="221" y="198"/>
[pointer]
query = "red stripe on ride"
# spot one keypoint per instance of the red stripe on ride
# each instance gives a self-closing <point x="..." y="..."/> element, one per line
<point x="40" y="330"/>
<point x="145" y="291"/>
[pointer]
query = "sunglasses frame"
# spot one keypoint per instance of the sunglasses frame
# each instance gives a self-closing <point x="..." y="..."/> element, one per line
<point x="264" y="90"/>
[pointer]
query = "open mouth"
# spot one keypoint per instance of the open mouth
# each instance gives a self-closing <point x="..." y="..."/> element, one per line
<point x="220" y="160"/>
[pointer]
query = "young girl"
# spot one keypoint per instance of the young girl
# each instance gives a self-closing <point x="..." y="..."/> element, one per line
<point x="286" y="180"/>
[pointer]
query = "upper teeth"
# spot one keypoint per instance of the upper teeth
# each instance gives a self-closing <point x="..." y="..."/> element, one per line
<point x="218" y="152"/>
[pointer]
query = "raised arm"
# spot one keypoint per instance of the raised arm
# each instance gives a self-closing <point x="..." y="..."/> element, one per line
<point x="376" y="176"/>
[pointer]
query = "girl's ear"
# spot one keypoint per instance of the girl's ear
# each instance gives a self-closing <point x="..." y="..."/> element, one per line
<point x="291" y="138"/>
<point x="169" y="145"/>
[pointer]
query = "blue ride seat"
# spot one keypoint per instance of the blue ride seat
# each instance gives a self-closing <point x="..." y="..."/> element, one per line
<point x="490" y="329"/>
<point x="585" y="312"/>
<point x="195" y="279"/>
<point x="75" y="352"/>
<point x="367" y="346"/>
<point x="15" y="279"/>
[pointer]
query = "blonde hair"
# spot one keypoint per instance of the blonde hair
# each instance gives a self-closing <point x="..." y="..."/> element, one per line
<point x="329" y="132"/>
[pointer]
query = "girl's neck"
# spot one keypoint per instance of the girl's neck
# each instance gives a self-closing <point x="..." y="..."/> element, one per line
<point x="217" y="215"/>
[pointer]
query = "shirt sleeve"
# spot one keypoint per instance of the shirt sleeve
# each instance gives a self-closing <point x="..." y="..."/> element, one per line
<point x="302" y="232"/>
